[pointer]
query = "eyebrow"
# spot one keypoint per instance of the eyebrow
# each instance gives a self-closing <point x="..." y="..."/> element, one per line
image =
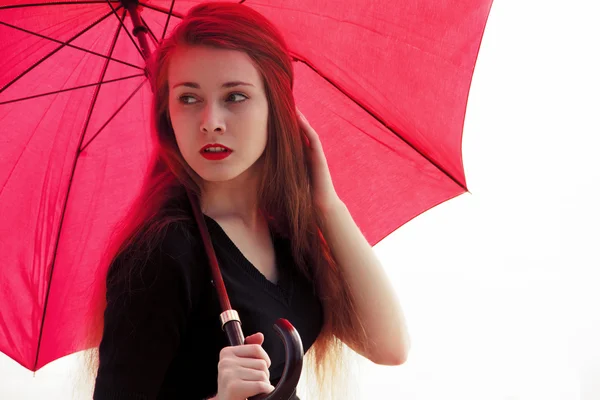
<point x="194" y="85"/>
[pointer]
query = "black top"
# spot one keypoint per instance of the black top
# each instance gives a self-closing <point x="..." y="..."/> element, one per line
<point x="162" y="333"/>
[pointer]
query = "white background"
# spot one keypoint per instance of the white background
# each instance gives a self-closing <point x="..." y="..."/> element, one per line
<point x="500" y="286"/>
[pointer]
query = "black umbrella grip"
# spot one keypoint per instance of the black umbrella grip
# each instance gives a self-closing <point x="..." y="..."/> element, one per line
<point x="294" y="353"/>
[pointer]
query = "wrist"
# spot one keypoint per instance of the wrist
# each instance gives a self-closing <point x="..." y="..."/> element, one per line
<point x="331" y="205"/>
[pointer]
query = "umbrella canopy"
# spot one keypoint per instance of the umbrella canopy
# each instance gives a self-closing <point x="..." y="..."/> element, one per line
<point x="384" y="83"/>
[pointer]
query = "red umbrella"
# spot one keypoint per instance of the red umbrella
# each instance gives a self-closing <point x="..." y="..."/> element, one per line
<point x="385" y="84"/>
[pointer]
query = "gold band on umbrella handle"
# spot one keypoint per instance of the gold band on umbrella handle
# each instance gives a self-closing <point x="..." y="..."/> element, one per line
<point x="229" y="315"/>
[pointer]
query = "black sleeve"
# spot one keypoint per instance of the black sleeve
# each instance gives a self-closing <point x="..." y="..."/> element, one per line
<point x="145" y="317"/>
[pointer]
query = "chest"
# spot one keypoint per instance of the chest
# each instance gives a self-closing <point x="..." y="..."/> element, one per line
<point x="257" y="248"/>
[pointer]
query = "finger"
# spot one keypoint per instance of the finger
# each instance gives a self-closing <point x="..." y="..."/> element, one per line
<point x="253" y="388"/>
<point x="303" y="120"/>
<point x="257" y="338"/>
<point x="251" y="374"/>
<point x="306" y="139"/>
<point x="253" y="363"/>
<point x="313" y="139"/>
<point x="252" y="351"/>
<point x="306" y="130"/>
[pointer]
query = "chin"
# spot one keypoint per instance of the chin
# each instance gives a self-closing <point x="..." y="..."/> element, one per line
<point x="223" y="173"/>
<point x="219" y="173"/>
<point x="218" y="176"/>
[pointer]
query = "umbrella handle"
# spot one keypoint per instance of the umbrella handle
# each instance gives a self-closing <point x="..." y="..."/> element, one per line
<point x="294" y="353"/>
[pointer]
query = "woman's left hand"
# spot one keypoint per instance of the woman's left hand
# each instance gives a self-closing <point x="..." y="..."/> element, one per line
<point x="324" y="193"/>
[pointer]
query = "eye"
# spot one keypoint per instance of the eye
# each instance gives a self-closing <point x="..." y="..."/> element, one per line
<point x="238" y="94"/>
<point x="183" y="101"/>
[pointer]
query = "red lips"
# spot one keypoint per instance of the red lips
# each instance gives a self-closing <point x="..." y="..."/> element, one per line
<point x="215" y="155"/>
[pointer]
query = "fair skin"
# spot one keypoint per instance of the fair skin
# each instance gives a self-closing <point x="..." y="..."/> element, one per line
<point x="229" y="197"/>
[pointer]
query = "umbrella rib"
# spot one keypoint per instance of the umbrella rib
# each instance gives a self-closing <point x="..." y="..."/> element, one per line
<point x="380" y="120"/>
<point x="149" y="30"/>
<point x="69" y="186"/>
<point x="53" y="52"/>
<point x="112" y="116"/>
<point x="72" y="46"/>
<point x="56" y="3"/>
<point x="70" y="89"/>
<point x="162" y="10"/>
<point x="169" y="15"/>
<point x="125" y="28"/>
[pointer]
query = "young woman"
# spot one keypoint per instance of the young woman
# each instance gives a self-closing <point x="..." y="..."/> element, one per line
<point x="228" y="129"/>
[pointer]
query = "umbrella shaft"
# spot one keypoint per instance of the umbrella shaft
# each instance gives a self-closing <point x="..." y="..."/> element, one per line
<point x="139" y="29"/>
<point x="233" y="329"/>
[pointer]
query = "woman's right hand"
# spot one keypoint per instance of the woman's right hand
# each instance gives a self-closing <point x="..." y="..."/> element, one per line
<point x="243" y="370"/>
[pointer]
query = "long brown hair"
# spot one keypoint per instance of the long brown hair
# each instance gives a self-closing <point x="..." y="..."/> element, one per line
<point x="285" y="194"/>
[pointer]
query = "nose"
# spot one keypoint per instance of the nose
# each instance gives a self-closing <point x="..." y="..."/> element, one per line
<point x="211" y="120"/>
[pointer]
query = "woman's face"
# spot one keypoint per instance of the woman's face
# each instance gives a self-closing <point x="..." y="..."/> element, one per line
<point x="203" y="111"/>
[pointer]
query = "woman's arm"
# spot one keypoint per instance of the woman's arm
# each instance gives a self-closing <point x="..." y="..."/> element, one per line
<point x="377" y="304"/>
<point x="145" y="317"/>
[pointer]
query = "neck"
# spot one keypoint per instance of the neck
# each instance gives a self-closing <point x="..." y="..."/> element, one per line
<point x="234" y="200"/>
